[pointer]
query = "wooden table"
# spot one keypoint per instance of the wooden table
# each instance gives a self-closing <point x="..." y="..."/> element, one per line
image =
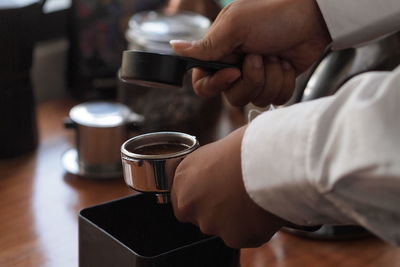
<point x="39" y="205"/>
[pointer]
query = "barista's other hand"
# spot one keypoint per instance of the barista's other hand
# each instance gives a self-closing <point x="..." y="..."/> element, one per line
<point x="208" y="191"/>
<point x="291" y="30"/>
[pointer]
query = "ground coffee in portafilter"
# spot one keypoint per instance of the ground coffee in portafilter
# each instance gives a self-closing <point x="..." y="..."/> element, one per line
<point x="160" y="149"/>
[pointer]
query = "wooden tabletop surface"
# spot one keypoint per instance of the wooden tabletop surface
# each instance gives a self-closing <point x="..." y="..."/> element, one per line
<point x="39" y="204"/>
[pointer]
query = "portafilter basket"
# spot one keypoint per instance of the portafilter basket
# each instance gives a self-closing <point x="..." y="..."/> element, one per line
<point x="153" y="171"/>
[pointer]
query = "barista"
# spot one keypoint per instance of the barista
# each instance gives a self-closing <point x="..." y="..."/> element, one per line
<point x="335" y="160"/>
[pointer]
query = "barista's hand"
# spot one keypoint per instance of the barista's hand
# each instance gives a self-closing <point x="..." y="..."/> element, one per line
<point x="292" y="31"/>
<point x="208" y="191"/>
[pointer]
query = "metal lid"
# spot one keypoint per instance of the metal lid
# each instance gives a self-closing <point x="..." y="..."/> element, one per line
<point x="10" y="4"/>
<point x="100" y="114"/>
<point x="157" y="138"/>
<point x="153" y="30"/>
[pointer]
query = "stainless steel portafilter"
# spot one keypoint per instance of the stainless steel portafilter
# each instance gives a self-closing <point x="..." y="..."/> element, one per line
<point x="149" y="161"/>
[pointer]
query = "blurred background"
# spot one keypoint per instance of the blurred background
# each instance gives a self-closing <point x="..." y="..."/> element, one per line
<point x="52" y="49"/>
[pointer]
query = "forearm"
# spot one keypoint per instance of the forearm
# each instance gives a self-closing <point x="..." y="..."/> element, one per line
<point x="335" y="160"/>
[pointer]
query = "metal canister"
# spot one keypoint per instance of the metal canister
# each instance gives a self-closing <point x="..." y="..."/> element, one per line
<point x="101" y="128"/>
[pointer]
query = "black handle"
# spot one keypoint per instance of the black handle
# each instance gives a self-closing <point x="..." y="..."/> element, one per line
<point x="311" y="228"/>
<point x="69" y="124"/>
<point x="210" y="66"/>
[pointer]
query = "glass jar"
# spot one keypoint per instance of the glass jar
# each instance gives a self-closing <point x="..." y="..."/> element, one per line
<point x="166" y="108"/>
<point x="152" y="30"/>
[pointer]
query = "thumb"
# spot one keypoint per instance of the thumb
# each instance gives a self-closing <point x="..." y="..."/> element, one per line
<point x="204" y="49"/>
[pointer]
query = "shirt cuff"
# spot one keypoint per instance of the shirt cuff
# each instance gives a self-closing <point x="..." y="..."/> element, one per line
<point x="274" y="166"/>
<point x="353" y="23"/>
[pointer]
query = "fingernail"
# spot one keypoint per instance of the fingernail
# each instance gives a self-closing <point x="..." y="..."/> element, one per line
<point x="286" y="65"/>
<point x="182" y="44"/>
<point x="256" y="61"/>
<point x="273" y="59"/>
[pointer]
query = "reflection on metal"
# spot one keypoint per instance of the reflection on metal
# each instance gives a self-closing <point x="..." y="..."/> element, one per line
<point x="337" y="67"/>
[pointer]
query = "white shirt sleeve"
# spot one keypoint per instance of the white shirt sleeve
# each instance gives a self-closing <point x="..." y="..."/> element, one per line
<point x="353" y="22"/>
<point x="335" y="160"/>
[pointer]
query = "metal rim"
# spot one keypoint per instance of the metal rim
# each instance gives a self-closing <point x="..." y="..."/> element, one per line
<point x="127" y="155"/>
<point x="121" y="114"/>
<point x="69" y="160"/>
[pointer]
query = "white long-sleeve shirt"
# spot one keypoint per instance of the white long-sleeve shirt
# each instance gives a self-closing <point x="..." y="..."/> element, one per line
<point x="335" y="160"/>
